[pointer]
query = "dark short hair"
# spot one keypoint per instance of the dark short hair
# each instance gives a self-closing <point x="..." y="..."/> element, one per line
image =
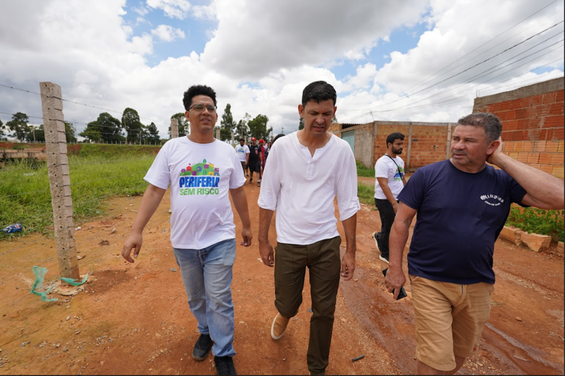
<point x="195" y="90"/>
<point x="393" y="137"/>
<point x="318" y="91"/>
<point x="276" y="138"/>
<point x="489" y="122"/>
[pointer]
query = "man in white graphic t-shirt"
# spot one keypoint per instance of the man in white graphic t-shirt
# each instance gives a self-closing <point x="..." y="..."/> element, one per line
<point x="202" y="173"/>
<point x="242" y="152"/>
<point x="389" y="181"/>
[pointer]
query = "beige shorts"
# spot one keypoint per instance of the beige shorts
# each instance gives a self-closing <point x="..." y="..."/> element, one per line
<point x="449" y="320"/>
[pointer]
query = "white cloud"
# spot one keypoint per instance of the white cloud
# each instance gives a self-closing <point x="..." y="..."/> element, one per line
<point x="172" y="8"/>
<point x="205" y="12"/>
<point x="261" y="54"/>
<point x="168" y="33"/>
<point x="255" y="38"/>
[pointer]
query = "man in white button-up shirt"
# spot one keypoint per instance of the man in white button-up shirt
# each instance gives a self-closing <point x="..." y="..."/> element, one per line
<point x="305" y="172"/>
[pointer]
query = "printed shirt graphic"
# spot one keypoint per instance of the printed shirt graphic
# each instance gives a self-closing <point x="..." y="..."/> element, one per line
<point x="242" y="152"/>
<point x="385" y="168"/>
<point x="200" y="177"/>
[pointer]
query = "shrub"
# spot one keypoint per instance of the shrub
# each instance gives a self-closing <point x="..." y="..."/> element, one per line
<point x="538" y="221"/>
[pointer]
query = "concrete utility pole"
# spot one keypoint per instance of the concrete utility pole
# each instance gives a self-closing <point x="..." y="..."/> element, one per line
<point x="59" y="180"/>
<point x="174" y="128"/>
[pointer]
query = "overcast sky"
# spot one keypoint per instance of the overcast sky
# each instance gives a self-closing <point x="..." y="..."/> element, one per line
<point x="401" y="60"/>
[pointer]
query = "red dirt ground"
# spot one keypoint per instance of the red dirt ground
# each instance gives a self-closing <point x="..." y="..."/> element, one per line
<point x="134" y="319"/>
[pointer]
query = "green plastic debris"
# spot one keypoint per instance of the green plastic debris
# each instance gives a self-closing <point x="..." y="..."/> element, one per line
<point x="39" y="275"/>
<point x="72" y="281"/>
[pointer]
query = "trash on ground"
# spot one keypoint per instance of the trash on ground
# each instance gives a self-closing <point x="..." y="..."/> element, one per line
<point x="39" y="276"/>
<point x="12" y="228"/>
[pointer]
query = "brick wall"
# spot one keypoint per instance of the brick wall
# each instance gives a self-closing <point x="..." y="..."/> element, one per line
<point x="424" y="143"/>
<point x="532" y="123"/>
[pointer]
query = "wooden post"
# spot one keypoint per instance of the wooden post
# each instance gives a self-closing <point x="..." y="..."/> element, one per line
<point x="59" y="181"/>
<point x="174" y="128"/>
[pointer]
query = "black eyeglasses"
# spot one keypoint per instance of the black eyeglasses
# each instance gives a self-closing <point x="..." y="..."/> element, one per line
<point x="200" y="107"/>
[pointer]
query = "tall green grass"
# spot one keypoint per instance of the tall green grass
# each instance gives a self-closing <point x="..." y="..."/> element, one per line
<point x="25" y="195"/>
<point x="364" y="171"/>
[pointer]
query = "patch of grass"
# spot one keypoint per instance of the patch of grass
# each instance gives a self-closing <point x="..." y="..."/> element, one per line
<point x="366" y="194"/>
<point x="25" y="194"/>
<point x="364" y="171"/>
<point x="538" y="221"/>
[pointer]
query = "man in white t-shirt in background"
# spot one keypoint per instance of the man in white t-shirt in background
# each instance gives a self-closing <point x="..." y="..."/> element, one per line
<point x="202" y="173"/>
<point x="390" y="179"/>
<point x="242" y="152"/>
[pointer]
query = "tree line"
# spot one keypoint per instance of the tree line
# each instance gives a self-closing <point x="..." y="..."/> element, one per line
<point x="130" y="129"/>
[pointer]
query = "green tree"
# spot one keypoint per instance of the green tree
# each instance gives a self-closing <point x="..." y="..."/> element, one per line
<point x="152" y="136"/>
<point x="132" y="125"/>
<point x="242" y="127"/>
<point x="3" y="131"/>
<point x="92" y="132"/>
<point x="19" y="125"/>
<point x="111" y="128"/>
<point x="106" y="129"/>
<point x="35" y="134"/>
<point x="70" y="133"/>
<point x="227" y="124"/>
<point x="183" y="124"/>
<point x="258" y="127"/>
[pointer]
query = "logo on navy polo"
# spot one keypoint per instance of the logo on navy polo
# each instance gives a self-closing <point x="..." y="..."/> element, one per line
<point x="492" y="200"/>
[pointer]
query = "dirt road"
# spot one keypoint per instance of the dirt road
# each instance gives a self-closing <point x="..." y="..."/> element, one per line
<point x="134" y="319"/>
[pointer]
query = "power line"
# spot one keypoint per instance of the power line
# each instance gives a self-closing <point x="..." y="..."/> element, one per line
<point x="482" y="45"/>
<point x="73" y="102"/>
<point x="481" y="74"/>
<point x="490" y="58"/>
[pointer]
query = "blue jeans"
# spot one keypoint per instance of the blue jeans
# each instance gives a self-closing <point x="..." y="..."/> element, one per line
<point x="207" y="275"/>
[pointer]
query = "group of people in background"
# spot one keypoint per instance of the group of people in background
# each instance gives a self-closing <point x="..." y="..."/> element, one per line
<point x="461" y="203"/>
<point x="253" y="157"/>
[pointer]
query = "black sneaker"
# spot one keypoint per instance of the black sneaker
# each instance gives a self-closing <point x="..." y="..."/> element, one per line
<point x="224" y="365"/>
<point x="202" y="347"/>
